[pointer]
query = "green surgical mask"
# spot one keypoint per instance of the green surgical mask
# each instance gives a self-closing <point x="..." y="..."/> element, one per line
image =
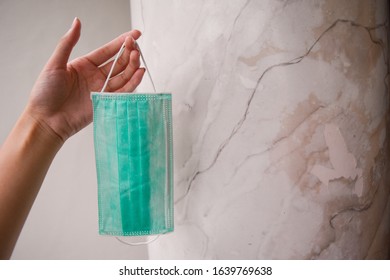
<point x="134" y="161"/>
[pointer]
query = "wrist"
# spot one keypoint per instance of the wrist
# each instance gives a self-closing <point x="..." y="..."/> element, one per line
<point x="41" y="126"/>
<point x="37" y="129"/>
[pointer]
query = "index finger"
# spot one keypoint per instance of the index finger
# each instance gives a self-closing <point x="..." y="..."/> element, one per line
<point x="102" y="54"/>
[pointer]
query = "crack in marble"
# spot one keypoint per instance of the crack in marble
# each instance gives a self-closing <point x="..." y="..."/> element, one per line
<point x="219" y="72"/>
<point x="354" y="208"/>
<point x="375" y="41"/>
<point x="293" y="61"/>
<point x="235" y="21"/>
<point x="357" y="208"/>
<point x="242" y="163"/>
<point x="333" y="240"/>
<point x="381" y="44"/>
<point x="227" y="45"/>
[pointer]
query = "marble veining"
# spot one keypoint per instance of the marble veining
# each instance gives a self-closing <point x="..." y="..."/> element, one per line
<point x="280" y="126"/>
<point x="296" y="60"/>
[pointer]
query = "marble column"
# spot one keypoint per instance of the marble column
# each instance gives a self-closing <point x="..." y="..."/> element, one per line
<point x="280" y="113"/>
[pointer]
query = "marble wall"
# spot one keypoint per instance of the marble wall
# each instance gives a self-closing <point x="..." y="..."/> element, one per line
<point x="280" y="115"/>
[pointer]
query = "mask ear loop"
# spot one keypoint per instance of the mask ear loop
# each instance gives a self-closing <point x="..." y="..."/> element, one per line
<point x="122" y="48"/>
<point x="138" y="243"/>
<point x="120" y="52"/>
<point x="146" y="66"/>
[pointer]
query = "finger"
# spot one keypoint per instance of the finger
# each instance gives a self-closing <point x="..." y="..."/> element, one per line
<point x="102" y="54"/>
<point x="122" y="61"/>
<point x="135" y="80"/>
<point x="65" y="46"/>
<point x="121" y="79"/>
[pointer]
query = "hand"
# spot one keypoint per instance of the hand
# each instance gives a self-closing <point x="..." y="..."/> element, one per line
<point x="60" y="99"/>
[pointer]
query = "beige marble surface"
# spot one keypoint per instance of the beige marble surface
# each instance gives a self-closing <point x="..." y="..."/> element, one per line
<point x="280" y="126"/>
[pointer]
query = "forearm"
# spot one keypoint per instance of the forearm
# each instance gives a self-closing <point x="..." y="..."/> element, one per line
<point x="25" y="158"/>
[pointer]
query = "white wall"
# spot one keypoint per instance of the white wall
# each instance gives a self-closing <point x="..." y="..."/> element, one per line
<point x="262" y="91"/>
<point x="63" y="222"/>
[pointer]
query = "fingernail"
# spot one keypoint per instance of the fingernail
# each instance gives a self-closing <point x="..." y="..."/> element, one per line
<point x="134" y="43"/>
<point x="74" y="21"/>
<point x="131" y="40"/>
<point x="72" y="26"/>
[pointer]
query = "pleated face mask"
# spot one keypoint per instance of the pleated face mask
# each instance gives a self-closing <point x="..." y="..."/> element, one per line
<point x="133" y="151"/>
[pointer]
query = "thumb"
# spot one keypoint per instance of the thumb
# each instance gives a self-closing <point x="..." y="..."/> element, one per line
<point x="61" y="54"/>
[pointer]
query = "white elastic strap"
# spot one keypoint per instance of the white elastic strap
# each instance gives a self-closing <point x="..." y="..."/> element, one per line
<point x="138" y="243"/>
<point x="146" y="66"/>
<point x="113" y="65"/>
<point x="122" y="48"/>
